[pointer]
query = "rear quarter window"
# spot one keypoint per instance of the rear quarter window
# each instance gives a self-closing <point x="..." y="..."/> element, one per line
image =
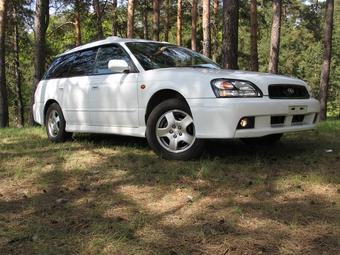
<point x="74" y="64"/>
<point x="60" y="66"/>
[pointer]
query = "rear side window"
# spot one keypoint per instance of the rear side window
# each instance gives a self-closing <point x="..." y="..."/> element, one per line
<point x="60" y="66"/>
<point x="87" y="62"/>
<point x="74" y="64"/>
<point x="83" y="64"/>
<point x="105" y="54"/>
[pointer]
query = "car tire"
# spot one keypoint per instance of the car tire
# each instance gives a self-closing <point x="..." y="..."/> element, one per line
<point x="55" y="124"/>
<point x="171" y="131"/>
<point x="264" y="140"/>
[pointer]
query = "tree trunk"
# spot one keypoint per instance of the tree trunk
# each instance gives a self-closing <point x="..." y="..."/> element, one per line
<point x="167" y="22"/>
<point x="41" y="20"/>
<point x="19" y="104"/>
<point x="98" y="19"/>
<point x="4" y="116"/>
<point x="194" y="25"/>
<point x="206" y="28"/>
<point x="179" y="22"/>
<point x="77" y="22"/>
<point x="146" y="25"/>
<point x="155" y="27"/>
<point x="130" y="19"/>
<point x="114" y="21"/>
<point x="230" y="34"/>
<point x="275" y="38"/>
<point x="253" y="36"/>
<point x="326" y="59"/>
<point x="215" y="31"/>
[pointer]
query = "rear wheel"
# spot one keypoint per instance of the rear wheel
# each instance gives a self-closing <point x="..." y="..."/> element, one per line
<point x="171" y="131"/>
<point x="264" y="140"/>
<point x="55" y="124"/>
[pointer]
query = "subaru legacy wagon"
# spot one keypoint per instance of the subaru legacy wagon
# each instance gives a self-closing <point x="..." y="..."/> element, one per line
<point x="175" y="97"/>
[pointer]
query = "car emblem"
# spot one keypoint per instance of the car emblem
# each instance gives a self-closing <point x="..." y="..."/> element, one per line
<point x="290" y="91"/>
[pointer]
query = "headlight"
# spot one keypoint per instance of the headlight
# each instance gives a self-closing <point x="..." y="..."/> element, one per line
<point x="234" y="88"/>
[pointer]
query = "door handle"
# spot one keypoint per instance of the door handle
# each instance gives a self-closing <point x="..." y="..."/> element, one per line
<point x="94" y="87"/>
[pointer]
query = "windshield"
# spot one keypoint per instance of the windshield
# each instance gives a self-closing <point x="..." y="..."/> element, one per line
<point x="159" y="55"/>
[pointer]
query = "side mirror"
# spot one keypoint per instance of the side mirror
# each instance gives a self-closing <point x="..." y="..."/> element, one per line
<point x="118" y="66"/>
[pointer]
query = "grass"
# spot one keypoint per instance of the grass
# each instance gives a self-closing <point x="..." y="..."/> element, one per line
<point x="101" y="194"/>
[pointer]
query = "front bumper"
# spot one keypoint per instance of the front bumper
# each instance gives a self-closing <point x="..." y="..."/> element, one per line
<point x="219" y="118"/>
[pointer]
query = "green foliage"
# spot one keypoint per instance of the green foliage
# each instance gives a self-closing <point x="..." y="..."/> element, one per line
<point x="300" y="51"/>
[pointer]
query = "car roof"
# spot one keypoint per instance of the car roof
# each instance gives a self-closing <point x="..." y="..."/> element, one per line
<point x="108" y="40"/>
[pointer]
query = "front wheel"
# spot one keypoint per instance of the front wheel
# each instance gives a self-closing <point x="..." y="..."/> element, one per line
<point x="55" y="124"/>
<point x="171" y="131"/>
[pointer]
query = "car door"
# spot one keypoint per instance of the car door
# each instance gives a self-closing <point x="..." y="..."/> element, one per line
<point x="113" y="95"/>
<point x="74" y="88"/>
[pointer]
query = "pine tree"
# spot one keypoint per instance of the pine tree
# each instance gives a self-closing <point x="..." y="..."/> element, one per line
<point x="275" y="38"/>
<point x="4" y="115"/>
<point x="41" y="21"/>
<point x="323" y="96"/>
<point x="230" y="34"/>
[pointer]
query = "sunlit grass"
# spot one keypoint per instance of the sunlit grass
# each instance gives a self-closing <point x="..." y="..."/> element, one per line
<point x="112" y="195"/>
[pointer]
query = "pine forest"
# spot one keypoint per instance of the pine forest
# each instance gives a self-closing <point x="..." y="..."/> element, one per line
<point x="34" y="32"/>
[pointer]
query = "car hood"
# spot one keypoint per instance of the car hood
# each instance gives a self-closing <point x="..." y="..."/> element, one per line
<point x="195" y="75"/>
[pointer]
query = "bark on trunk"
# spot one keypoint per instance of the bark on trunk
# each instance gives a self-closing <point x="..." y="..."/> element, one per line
<point x="114" y="20"/>
<point x="326" y="60"/>
<point x="215" y="32"/>
<point x="167" y="22"/>
<point x="253" y="35"/>
<point x="194" y="25"/>
<point x="155" y="27"/>
<point x="206" y="28"/>
<point x="41" y="20"/>
<point x="179" y="22"/>
<point x="275" y="38"/>
<point x="230" y="34"/>
<point x="146" y="26"/>
<point x="77" y="22"/>
<point x="4" y="116"/>
<point x="131" y="19"/>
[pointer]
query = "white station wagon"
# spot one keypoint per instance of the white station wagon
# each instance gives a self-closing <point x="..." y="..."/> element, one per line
<point x="173" y="96"/>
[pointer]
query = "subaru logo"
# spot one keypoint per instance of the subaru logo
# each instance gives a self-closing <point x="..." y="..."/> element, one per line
<point x="290" y="91"/>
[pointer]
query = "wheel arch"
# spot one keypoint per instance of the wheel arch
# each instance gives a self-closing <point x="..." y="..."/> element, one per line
<point x="47" y="105"/>
<point x="159" y="97"/>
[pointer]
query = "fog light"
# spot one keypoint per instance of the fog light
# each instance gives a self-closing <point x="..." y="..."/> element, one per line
<point x="246" y="122"/>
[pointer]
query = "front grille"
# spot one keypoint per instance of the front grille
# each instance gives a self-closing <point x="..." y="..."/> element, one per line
<point x="298" y="118"/>
<point x="288" y="92"/>
<point x="277" y="120"/>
